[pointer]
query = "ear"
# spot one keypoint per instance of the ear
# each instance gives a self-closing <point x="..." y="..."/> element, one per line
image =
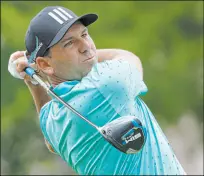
<point x="43" y="64"/>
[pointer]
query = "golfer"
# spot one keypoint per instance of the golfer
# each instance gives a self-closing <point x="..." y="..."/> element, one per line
<point x="101" y="84"/>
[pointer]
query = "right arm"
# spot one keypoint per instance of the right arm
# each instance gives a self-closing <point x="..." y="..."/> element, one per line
<point x="40" y="96"/>
<point x="38" y="93"/>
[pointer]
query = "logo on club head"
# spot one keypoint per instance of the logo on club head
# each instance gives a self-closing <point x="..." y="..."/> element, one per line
<point x="131" y="136"/>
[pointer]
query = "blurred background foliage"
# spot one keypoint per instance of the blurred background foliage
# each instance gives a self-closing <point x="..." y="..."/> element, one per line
<point x="167" y="36"/>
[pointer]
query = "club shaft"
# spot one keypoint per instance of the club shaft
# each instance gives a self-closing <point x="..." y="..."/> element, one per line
<point x="49" y="91"/>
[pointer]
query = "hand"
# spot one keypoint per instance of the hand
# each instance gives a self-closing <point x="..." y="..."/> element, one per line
<point x="17" y="64"/>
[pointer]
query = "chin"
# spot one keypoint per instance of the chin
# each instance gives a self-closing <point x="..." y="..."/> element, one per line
<point x="88" y="69"/>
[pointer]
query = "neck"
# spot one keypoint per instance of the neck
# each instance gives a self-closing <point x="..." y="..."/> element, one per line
<point x="55" y="80"/>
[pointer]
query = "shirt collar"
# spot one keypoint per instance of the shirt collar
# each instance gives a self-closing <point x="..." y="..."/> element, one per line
<point x="64" y="87"/>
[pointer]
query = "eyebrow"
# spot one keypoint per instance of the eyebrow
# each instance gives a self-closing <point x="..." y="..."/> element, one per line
<point x="69" y="38"/>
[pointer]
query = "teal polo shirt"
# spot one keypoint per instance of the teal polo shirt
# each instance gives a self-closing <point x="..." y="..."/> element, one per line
<point x="112" y="89"/>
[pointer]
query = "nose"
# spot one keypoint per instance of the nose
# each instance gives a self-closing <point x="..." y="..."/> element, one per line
<point x="84" y="46"/>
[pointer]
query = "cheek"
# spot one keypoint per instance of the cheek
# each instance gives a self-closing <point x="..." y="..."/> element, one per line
<point x="70" y="61"/>
<point x="93" y="47"/>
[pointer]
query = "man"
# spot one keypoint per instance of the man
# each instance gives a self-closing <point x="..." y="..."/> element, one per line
<point x="102" y="85"/>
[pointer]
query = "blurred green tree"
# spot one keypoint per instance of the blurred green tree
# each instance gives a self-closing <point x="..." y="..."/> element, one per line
<point x="167" y="36"/>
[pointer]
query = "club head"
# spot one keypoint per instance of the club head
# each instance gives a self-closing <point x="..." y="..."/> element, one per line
<point x="125" y="133"/>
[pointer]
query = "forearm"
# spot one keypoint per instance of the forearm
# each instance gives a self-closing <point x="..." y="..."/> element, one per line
<point x="39" y="95"/>
<point x="40" y="98"/>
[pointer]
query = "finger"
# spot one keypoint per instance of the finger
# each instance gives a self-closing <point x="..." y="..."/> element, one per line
<point x="22" y="74"/>
<point x="21" y="65"/>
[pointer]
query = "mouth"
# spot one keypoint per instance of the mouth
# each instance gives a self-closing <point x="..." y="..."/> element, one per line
<point x="90" y="58"/>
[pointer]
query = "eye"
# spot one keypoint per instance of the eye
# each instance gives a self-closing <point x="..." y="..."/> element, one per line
<point x="68" y="43"/>
<point x="84" y="35"/>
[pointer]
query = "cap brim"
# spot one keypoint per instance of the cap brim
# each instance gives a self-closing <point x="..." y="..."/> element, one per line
<point x="85" y="19"/>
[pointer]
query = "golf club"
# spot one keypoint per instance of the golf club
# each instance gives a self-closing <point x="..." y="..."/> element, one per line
<point x="126" y="133"/>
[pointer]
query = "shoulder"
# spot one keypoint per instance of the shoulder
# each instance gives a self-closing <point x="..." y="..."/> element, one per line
<point x="114" y="54"/>
<point x="117" y="75"/>
<point x="117" y="69"/>
<point x="131" y="58"/>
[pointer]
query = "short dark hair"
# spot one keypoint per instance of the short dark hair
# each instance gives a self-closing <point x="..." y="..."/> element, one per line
<point x="47" y="53"/>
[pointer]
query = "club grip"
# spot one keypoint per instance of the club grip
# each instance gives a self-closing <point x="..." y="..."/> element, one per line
<point x="29" y="71"/>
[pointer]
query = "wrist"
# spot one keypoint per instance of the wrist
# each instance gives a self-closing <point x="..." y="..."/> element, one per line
<point x="30" y="84"/>
<point x="29" y="81"/>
